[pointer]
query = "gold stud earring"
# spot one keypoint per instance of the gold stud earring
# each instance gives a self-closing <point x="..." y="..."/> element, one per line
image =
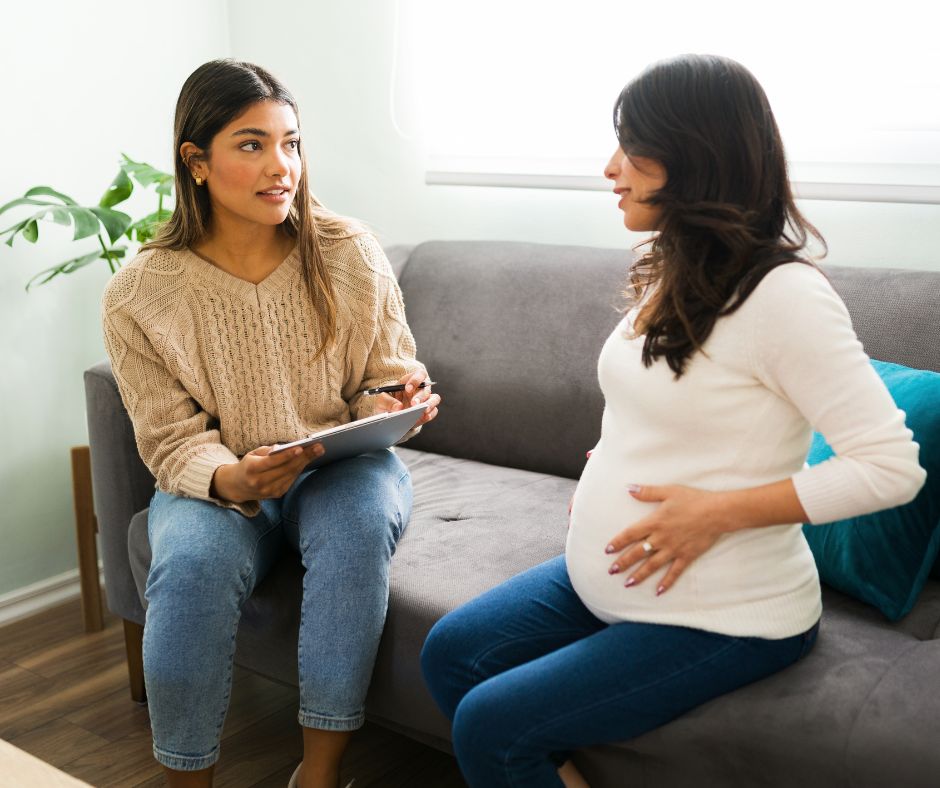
<point x="199" y="181"/>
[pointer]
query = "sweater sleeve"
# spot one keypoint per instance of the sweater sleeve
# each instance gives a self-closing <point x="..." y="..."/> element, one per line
<point x="177" y="440"/>
<point x="388" y="343"/>
<point x="805" y="349"/>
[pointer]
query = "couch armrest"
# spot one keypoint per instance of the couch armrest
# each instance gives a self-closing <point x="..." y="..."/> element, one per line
<point x="121" y="482"/>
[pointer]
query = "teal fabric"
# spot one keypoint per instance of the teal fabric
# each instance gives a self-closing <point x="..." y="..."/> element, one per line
<point x="884" y="558"/>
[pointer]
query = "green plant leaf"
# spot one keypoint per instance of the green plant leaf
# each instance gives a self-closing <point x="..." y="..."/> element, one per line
<point x="145" y="174"/>
<point x="60" y="215"/>
<point x="31" y="231"/>
<point x="25" y="201"/>
<point x="144" y="229"/>
<point x="15" y="229"/>
<point x="114" y="222"/>
<point x="119" y="190"/>
<point x="86" y="223"/>
<point x="51" y="193"/>
<point x="68" y="267"/>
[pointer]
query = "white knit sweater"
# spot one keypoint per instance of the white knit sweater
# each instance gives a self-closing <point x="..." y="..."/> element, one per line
<point x="742" y="415"/>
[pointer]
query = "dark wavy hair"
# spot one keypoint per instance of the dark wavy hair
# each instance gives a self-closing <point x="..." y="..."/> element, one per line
<point x="212" y="97"/>
<point x="727" y="211"/>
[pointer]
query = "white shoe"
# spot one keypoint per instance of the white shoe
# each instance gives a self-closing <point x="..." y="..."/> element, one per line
<point x="296" y="774"/>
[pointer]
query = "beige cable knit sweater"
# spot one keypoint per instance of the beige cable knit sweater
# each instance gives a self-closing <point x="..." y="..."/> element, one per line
<point x="211" y="367"/>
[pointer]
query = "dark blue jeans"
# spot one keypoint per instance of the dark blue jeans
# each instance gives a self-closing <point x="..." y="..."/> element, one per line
<point x="527" y="674"/>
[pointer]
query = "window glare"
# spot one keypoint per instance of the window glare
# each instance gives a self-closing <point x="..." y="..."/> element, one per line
<point x="516" y="78"/>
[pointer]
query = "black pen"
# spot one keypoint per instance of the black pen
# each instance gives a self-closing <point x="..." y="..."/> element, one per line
<point x="398" y="387"/>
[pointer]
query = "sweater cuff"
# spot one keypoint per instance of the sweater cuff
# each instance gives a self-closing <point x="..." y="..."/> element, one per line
<point x="196" y="479"/>
<point x="821" y="495"/>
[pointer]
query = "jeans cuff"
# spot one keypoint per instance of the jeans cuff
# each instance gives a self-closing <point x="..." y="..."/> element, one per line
<point x="325" y="722"/>
<point x="185" y="763"/>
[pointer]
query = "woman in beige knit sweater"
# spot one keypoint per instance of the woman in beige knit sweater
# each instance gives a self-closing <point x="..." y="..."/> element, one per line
<point x="258" y="316"/>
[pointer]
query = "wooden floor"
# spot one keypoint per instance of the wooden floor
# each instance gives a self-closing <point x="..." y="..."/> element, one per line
<point x="64" y="698"/>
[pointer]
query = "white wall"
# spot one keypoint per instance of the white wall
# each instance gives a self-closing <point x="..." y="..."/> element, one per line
<point x="81" y="83"/>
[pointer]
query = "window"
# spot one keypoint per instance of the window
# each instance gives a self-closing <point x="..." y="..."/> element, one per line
<point x="521" y="93"/>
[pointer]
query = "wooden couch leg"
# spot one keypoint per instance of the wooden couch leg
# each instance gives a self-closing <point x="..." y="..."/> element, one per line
<point x="86" y="526"/>
<point x="134" y="643"/>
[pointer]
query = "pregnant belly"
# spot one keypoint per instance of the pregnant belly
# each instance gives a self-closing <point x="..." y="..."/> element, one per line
<point x="601" y="509"/>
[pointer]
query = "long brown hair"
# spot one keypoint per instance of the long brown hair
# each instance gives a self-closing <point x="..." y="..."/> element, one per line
<point x="213" y="96"/>
<point x="727" y="211"/>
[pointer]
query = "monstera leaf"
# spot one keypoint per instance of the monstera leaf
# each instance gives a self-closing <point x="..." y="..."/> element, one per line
<point x="48" y="204"/>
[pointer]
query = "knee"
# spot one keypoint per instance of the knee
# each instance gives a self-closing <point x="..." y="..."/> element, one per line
<point x="196" y="566"/>
<point x="476" y="730"/>
<point x="446" y="664"/>
<point x="438" y="649"/>
<point x="368" y="527"/>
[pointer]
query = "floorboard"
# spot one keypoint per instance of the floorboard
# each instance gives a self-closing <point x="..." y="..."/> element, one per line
<point x="64" y="698"/>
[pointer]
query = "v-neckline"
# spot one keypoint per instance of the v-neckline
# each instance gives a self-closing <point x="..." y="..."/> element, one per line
<point x="274" y="282"/>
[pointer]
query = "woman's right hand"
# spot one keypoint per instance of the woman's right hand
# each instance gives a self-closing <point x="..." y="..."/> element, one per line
<point x="259" y="474"/>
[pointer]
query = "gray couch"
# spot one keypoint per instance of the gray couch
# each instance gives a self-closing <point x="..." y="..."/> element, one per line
<point x="512" y="333"/>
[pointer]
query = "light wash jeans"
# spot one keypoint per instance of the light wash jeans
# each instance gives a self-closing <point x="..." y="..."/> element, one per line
<point x="527" y="673"/>
<point x="345" y="520"/>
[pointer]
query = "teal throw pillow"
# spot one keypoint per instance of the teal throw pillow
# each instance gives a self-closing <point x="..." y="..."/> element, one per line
<point x="884" y="558"/>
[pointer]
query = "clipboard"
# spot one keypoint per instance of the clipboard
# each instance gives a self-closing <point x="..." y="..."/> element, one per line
<point x="358" y="437"/>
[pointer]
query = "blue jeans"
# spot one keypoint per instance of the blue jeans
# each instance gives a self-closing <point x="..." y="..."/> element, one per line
<point x="527" y="674"/>
<point x="345" y="519"/>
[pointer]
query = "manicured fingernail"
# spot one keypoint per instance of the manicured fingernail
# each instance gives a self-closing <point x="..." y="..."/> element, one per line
<point x="630" y="582"/>
<point x="613" y="570"/>
<point x="633" y="488"/>
<point x="660" y="590"/>
<point x="609" y="549"/>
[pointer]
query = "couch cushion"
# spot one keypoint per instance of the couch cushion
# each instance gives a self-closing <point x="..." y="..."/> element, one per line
<point x="512" y="332"/>
<point x="472" y="527"/>
<point x="884" y="558"/>
<point x="895" y="312"/>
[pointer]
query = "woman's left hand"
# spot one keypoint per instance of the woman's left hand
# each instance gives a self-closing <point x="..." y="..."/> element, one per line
<point x="412" y="395"/>
<point x="687" y="522"/>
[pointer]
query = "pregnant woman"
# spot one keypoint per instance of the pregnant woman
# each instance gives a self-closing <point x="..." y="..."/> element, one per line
<point x="686" y="574"/>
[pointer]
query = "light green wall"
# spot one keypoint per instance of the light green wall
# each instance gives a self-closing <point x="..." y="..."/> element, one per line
<point x="80" y="83"/>
<point x="337" y="59"/>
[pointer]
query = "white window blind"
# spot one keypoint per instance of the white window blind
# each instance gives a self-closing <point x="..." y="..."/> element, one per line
<point x="521" y="93"/>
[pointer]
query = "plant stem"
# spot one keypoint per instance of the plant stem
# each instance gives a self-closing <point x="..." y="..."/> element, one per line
<point x="107" y="254"/>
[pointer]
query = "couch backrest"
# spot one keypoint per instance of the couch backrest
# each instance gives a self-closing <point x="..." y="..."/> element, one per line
<point x="512" y="332"/>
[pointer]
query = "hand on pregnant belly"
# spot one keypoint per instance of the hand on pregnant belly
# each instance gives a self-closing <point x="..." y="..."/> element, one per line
<point x="686" y="523"/>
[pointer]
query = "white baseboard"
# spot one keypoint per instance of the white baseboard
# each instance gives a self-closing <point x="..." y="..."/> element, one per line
<point x="32" y="599"/>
